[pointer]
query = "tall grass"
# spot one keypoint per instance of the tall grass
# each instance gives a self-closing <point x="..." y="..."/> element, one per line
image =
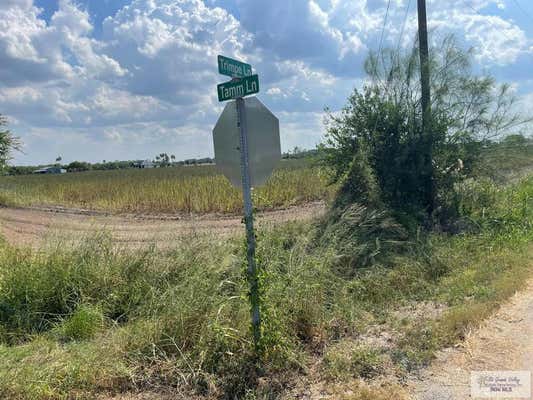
<point x="91" y="319"/>
<point x="197" y="189"/>
<point x="502" y="160"/>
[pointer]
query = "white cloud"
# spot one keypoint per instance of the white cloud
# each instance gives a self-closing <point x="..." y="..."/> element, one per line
<point x="32" y="50"/>
<point x="71" y="20"/>
<point x="499" y="41"/>
<point x="23" y="4"/>
<point x="17" y="28"/>
<point x="495" y="40"/>
<point x="107" y="101"/>
<point x="113" y="134"/>
<point x="20" y="95"/>
<point x="275" y="91"/>
<point x="170" y="48"/>
<point x="302" y="129"/>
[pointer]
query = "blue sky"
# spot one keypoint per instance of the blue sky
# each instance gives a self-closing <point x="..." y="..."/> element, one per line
<point x="128" y="79"/>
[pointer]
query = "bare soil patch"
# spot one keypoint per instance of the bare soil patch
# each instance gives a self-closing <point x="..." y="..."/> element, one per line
<point x="25" y="226"/>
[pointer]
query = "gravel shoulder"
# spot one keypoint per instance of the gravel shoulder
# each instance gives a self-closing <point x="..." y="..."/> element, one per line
<point x="503" y="342"/>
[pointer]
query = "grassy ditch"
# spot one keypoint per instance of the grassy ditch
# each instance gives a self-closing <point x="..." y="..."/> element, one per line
<point x="97" y="319"/>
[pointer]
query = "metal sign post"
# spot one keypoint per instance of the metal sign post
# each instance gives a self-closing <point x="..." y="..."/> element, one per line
<point x="247" y="149"/>
<point x="252" y="275"/>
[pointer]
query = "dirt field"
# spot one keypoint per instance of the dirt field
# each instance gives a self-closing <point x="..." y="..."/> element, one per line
<point x="34" y="226"/>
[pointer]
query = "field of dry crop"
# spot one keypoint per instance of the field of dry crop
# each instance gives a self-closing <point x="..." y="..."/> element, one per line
<point x="197" y="189"/>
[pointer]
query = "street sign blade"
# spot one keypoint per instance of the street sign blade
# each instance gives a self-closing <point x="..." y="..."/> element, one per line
<point x="238" y="88"/>
<point x="235" y="69"/>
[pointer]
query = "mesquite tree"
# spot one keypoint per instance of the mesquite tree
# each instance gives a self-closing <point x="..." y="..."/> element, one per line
<point x="381" y="127"/>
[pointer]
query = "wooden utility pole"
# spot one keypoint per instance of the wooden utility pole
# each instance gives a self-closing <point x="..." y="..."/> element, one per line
<point x="426" y="102"/>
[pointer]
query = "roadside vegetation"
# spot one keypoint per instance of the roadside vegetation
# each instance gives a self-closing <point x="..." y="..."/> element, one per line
<point x="183" y="189"/>
<point x="98" y="319"/>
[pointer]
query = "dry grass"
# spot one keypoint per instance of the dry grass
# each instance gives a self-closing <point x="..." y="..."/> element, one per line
<point x="197" y="189"/>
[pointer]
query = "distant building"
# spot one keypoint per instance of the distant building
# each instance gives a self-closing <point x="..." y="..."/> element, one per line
<point x="145" y="164"/>
<point x="50" y="170"/>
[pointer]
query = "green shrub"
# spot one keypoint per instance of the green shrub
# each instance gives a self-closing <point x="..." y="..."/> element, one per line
<point x="83" y="324"/>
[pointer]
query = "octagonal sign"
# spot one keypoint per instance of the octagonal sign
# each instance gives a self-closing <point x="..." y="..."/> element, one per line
<point x="264" y="150"/>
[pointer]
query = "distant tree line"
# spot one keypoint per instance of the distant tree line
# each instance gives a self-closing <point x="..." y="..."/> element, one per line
<point x="196" y="161"/>
<point x="161" y="160"/>
<point x="80" y="166"/>
<point x="10" y="143"/>
<point x="164" y="160"/>
<point x="298" y="152"/>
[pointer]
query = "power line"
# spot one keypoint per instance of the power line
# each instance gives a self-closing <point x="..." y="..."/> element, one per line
<point x="381" y="38"/>
<point x="499" y="28"/>
<point x="374" y="74"/>
<point x="398" y="44"/>
<point x="380" y="45"/>
<point x="378" y="54"/>
<point x="403" y="26"/>
<point x="489" y="20"/>
<point x="522" y="9"/>
<point x="384" y="24"/>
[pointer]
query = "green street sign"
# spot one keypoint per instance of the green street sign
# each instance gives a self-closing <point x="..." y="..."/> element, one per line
<point x="235" y="69"/>
<point x="238" y="88"/>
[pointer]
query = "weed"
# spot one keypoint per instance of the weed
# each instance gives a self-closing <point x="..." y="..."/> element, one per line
<point x="83" y="324"/>
<point x="348" y="360"/>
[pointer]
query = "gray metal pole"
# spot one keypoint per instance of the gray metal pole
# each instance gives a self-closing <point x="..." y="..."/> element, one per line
<point x="252" y="273"/>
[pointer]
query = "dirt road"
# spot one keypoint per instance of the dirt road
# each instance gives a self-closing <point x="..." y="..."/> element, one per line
<point x="35" y="226"/>
<point x="504" y="342"/>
